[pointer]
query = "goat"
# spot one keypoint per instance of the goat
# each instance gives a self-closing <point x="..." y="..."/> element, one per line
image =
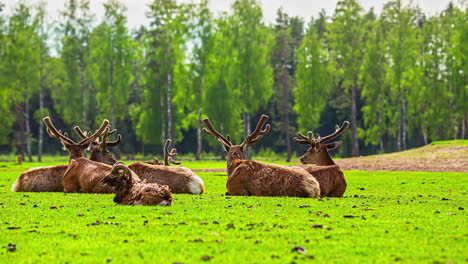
<point x="49" y="179"/>
<point x="248" y="177"/>
<point x="179" y="179"/>
<point x="328" y="174"/>
<point x="132" y="191"/>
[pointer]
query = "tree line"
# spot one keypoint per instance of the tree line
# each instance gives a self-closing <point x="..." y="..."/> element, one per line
<point x="400" y="77"/>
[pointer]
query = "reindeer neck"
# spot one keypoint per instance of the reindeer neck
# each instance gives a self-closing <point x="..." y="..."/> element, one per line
<point x="233" y="162"/>
<point x="324" y="159"/>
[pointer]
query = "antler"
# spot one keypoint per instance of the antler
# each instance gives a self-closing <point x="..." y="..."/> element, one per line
<point x="168" y="155"/>
<point x="310" y="139"/>
<point x="105" y="135"/>
<point x="106" y="143"/>
<point x="258" y="132"/>
<point x="209" y="130"/>
<point x="103" y="129"/>
<point x="338" y="131"/>
<point x="53" y="132"/>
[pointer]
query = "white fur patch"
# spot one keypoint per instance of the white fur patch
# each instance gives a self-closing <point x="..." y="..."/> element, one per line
<point x="15" y="187"/>
<point x="163" y="203"/>
<point x="196" y="185"/>
<point x="312" y="187"/>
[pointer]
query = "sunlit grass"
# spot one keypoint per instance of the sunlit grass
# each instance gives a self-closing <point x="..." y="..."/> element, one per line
<point x="385" y="217"/>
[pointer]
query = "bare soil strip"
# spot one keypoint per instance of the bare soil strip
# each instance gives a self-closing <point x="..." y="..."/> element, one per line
<point x="428" y="158"/>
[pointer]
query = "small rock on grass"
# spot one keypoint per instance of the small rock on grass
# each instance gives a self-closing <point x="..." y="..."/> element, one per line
<point x="299" y="249"/>
<point x="11" y="247"/>
<point x="206" y="257"/>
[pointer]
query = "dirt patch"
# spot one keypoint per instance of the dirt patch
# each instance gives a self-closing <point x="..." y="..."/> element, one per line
<point x="209" y="170"/>
<point x="429" y="158"/>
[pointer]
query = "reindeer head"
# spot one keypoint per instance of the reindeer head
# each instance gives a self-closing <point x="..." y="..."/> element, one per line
<point x="99" y="150"/>
<point x="318" y="151"/>
<point x="238" y="151"/>
<point x="75" y="150"/>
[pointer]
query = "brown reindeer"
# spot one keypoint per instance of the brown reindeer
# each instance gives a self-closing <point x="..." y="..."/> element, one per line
<point x="132" y="191"/>
<point x="99" y="150"/>
<point x="49" y="179"/>
<point x="328" y="174"/>
<point x="179" y="179"/>
<point x="84" y="175"/>
<point x="248" y="177"/>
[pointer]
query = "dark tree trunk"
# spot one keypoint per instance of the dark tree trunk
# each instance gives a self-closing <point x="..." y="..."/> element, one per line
<point x="247" y="132"/>
<point x="199" y="143"/>
<point x="403" y="140"/>
<point x="170" y="115"/>
<point x="399" y="133"/>
<point x="83" y="92"/>
<point x="21" y="123"/>
<point x="199" y="123"/>
<point x="355" y="143"/>
<point x="286" y="99"/>
<point x="27" y="125"/>
<point x="41" y="105"/>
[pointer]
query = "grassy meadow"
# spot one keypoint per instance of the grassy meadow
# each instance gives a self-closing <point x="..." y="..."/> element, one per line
<point x="385" y="217"/>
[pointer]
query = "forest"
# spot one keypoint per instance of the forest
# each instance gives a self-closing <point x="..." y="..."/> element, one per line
<point x="400" y="77"/>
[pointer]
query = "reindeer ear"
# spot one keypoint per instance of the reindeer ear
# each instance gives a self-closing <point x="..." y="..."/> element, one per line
<point x="334" y="145"/>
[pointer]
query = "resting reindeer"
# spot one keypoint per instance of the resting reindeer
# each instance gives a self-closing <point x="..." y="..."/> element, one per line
<point x="248" y="177"/>
<point x="179" y="179"/>
<point x="328" y="174"/>
<point x="99" y="150"/>
<point x="49" y="179"/>
<point x="132" y="191"/>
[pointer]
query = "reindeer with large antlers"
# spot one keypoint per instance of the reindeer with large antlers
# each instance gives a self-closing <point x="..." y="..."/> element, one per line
<point x="328" y="174"/>
<point x="179" y="179"/>
<point x="248" y="177"/>
<point x="99" y="150"/>
<point x="49" y="179"/>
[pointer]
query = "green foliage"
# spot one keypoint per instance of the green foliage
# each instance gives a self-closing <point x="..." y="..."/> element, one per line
<point x="220" y="103"/>
<point x="250" y="73"/>
<point x="380" y="210"/>
<point x="313" y="81"/>
<point x="374" y="90"/>
<point x="399" y="76"/>
<point x="73" y="98"/>
<point x="111" y="62"/>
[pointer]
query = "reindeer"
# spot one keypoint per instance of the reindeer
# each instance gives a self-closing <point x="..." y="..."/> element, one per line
<point x="179" y="179"/>
<point x="99" y="150"/>
<point x="328" y="174"/>
<point x="248" y="177"/>
<point x="49" y="179"/>
<point x="132" y="191"/>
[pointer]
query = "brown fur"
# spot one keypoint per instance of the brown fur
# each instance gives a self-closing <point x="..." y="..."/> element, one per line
<point x="328" y="174"/>
<point x="49" y="179"/>
<point x="247" y="177"/>
<point x="179" y="179"/>
<point x="331" y="179"/>
<point x="132" y="191"/>
<point x="83" y="175"/>
<point x="43" y="179"/>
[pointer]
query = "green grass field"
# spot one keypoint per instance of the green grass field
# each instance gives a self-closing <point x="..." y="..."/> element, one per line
<point x="385" y="217"/>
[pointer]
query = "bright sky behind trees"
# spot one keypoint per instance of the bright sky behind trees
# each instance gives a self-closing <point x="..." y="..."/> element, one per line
<point x="136" y="9"/>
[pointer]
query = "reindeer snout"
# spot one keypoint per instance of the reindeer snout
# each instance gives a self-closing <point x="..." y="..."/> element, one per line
<point x="303" y="160"/>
